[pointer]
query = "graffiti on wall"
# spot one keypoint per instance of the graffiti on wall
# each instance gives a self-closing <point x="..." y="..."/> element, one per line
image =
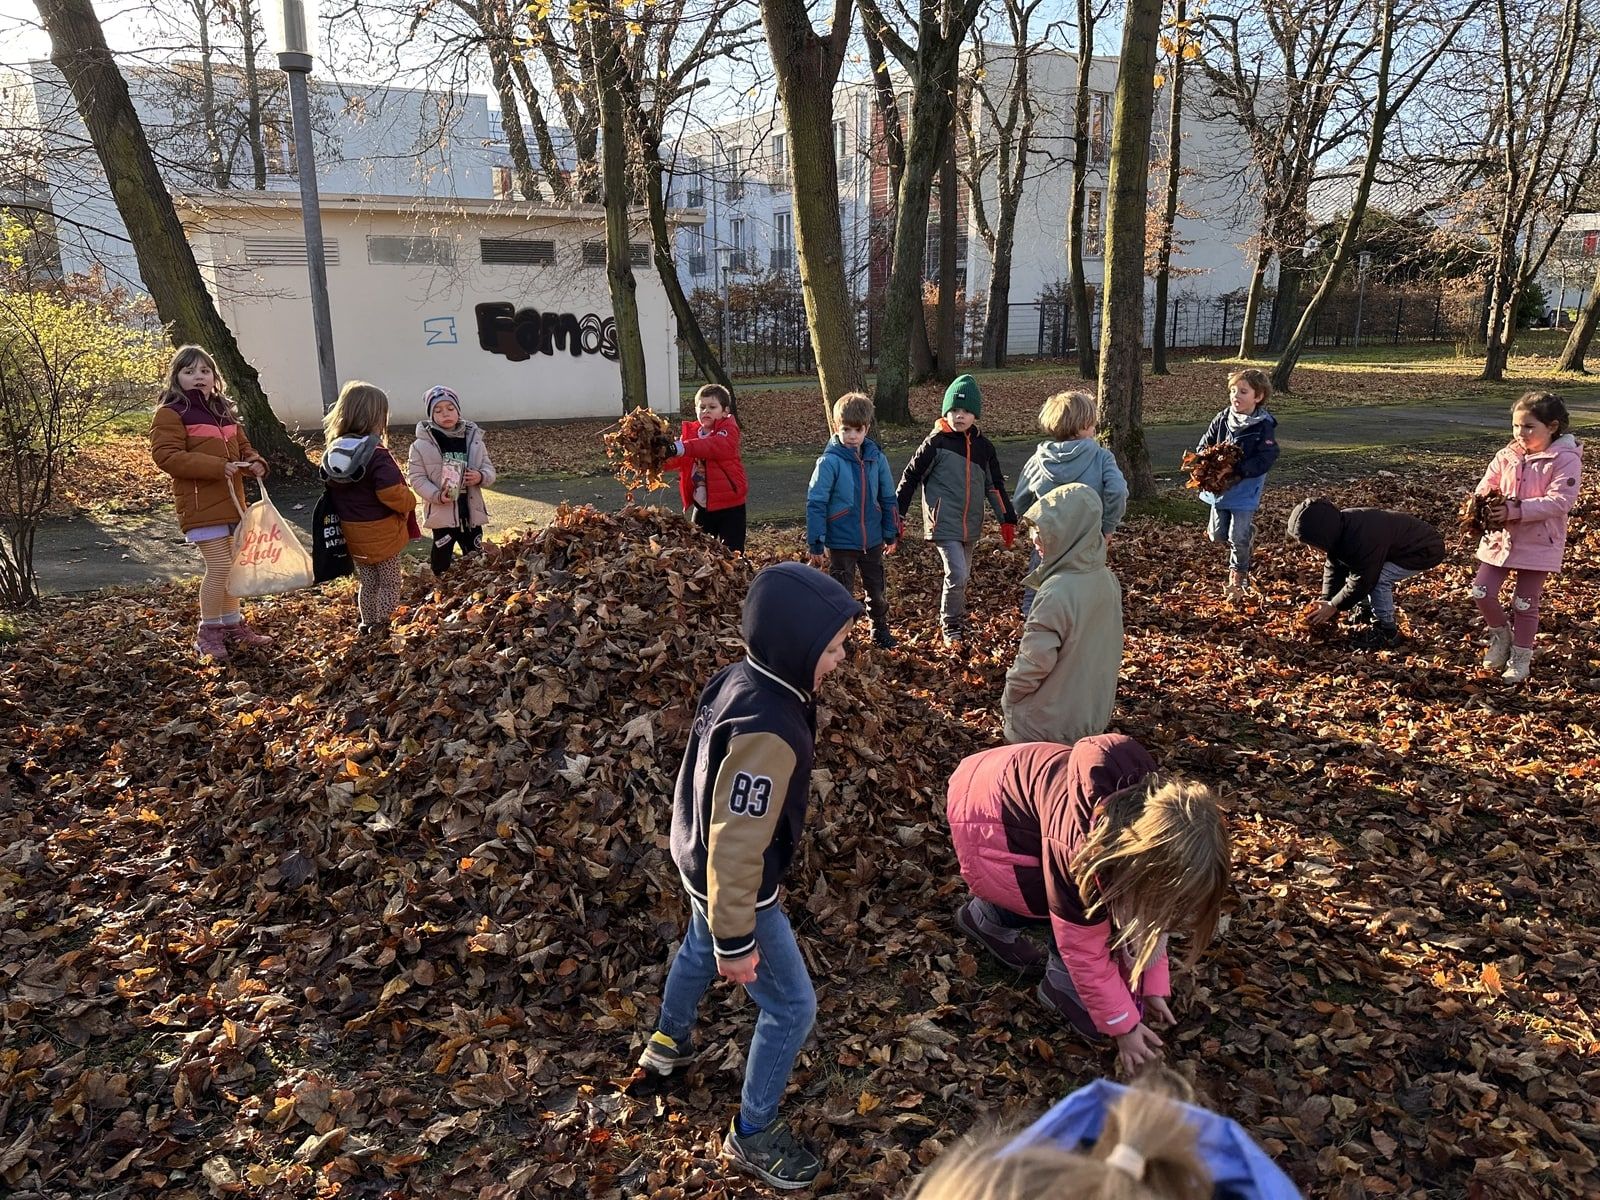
<point x="441" y="331"/>
<point x="520" y="333"/>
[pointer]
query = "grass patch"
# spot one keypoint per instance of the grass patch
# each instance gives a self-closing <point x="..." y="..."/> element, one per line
<point x="13" y="628"/>
<point x="1172" y="506"/>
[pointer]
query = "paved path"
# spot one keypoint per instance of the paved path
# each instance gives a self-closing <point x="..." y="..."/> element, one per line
<point x="87" y="553"/>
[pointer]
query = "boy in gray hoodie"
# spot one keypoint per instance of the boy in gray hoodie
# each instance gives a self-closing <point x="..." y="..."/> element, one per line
<point x="1071" y="456"/>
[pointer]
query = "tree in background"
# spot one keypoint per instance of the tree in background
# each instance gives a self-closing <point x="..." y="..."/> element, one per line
<point x="74" y="357"/>
<point x="166" y="263"/>
<point x="997" y="121"/>
<point x="1406" y="57"/>
<point x="1086" y="141"/>
<point x="1122" y="307"/>
<point x="931" y="66"/>
<point x="808" y="65"/>
<point x="1180" y="44"/>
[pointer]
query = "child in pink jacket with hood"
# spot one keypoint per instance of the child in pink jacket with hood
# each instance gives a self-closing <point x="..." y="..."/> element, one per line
<point x="1537" y="477"/>
<point x="1087" y="841"/>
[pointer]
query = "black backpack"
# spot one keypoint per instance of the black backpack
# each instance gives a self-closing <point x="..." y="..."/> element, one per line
<point x="329" y="558"/>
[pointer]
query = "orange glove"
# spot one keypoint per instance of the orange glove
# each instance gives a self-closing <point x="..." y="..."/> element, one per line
<point x="1008" y="533"/>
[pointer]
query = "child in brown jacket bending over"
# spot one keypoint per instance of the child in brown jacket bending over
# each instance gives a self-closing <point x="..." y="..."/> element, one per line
<point x="376" y="508"/>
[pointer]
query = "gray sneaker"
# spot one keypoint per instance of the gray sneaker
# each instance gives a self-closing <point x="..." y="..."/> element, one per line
<point x="774" y="1155"/>
<point x="1011" y="946"/>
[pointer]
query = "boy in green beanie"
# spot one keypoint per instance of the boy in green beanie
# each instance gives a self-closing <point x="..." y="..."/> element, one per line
<point x="957" y="469"/>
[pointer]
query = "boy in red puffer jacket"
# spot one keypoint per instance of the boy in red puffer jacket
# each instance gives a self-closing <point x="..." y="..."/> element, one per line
<point x="711" y="475"/>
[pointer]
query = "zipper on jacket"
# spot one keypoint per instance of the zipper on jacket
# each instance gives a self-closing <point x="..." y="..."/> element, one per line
<point x="861" y="462"/>
<point x="966" y="491"/>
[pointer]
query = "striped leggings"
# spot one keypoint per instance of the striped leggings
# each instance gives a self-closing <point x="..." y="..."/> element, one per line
<point x="380" y="590"/>
<point x="216" y="606"/>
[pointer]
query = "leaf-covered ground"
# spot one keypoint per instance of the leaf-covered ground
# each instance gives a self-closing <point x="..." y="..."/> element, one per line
<point x="321" y="923"/>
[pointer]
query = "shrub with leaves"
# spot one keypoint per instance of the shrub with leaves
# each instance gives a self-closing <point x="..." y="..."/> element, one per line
<point x="74" y="356"/>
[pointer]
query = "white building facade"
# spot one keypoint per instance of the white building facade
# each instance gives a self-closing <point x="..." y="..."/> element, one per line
<point x="506" y="303"/>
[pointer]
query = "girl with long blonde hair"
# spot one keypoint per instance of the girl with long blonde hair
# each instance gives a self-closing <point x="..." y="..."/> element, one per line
<point x="1088" y="842"/>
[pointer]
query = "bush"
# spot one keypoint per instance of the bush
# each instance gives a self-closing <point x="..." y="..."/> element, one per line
<point x="75" y="355"/>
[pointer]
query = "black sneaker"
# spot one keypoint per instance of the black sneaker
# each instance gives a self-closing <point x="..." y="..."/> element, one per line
<point x="1010" y="946"/>
<point x="1056" y="992"/>
<point x="1380" y="636"/>
<point x="773" y="1155"/>
<point x="664" y="1056"/>
<point x="884" y="640"/>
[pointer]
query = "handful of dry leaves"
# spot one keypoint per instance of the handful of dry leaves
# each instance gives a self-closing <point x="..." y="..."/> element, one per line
<point x="1212" y="470"/>
<point x="1480" y="514"/>
<point x="636" y="448"/>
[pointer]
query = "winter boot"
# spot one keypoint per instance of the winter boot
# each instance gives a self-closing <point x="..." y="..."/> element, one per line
<point x="1010" y="946"/>
<point x="884" y="640"/>
<point x="242" y="635"/>
<point x="211" y="643"/>
<point x="1057" y="992"/>
<point x="1518" y="667"/>
<point x="1494" y="658"/>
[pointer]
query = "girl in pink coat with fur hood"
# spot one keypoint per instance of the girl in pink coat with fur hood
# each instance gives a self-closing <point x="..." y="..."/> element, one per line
<point x="1537" y="477"/>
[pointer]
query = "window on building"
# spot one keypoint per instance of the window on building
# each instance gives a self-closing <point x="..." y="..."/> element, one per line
<point x="638" y="254"/>
<point x="779" y="178"/>
<point x="277" y="140"/>
<point x="782" y="242"/>
<point x="697" y="250"/>
<point x="733" y="166"/>
<point x="517" y="252"/>
<point x="392" y="250"/>
<point x="841" y="151"/>
<point x="736" y="238"/>
<point x="500" y="183"/>
<point x="1591" y="243"/>
<point x="1099" y="127"/>
<point x="1093" y="234"/>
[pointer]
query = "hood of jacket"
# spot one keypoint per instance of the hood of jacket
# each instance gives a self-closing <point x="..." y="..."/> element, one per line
<point x="790" y="614"/>
<point x="1260" y="419"/>
<point x="1069" y="532"/>
<point x="1565" y="444"/>
<point x="869" y="451"/>
<point x="1316" y="523"/>
<point x="346" y="460"/>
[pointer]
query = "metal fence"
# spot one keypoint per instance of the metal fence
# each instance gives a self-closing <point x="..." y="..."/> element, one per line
<point x="765" y="332"/>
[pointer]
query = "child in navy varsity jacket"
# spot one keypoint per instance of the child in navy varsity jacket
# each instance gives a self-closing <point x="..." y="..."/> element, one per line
<point x="737" y="816"/>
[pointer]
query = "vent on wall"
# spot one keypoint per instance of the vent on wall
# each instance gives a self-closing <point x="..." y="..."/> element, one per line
<point x="268" y="251"/>
<point x="395" y="250"/>
<point x="517" y="252"/>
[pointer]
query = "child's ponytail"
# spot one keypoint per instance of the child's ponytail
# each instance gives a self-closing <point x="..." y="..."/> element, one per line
<point x="1147" y="1150"/>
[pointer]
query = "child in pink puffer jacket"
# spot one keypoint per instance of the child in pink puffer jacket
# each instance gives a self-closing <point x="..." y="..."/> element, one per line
<point x="1537" y="474"/>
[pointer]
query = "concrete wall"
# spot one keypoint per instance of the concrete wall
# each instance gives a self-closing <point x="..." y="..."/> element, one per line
<point x="408" y="327"/>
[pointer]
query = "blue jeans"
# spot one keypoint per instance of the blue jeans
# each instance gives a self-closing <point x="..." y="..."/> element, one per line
<point x="1237" y="528"/>
<point x="1383" y="590"/>
<point x="782" y="991"/>
<point x="957" y="558"/>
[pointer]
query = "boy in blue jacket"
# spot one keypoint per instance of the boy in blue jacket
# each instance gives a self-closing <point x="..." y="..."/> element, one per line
<point x="738" y="814"/>
<point x="1246" y="423"/>
<point x="851" y="511"/>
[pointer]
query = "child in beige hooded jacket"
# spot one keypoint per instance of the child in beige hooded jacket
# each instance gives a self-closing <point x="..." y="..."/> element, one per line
<point x="1064" y="683"/>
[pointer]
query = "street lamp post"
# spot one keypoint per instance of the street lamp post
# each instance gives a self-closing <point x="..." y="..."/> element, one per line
<point x="1363" y="264"/>
<point x="289" y="29"/>
<point x="723" y="254"/>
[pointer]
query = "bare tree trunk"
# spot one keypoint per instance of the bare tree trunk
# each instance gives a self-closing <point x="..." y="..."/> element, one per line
<point x="1252" y="298"/>
<point x="1577" y="347"/>
<point x="945" y="321"/>
<point x="1169" y="213"/>
<point x="499" y="53"/>
<point x="1079" y="287"/>
<point x="895" y="151"/>
<point x="808" y="66"/>
<point x="549" y="156"/>
<point x="1122" y="313"/>
<point x="1286" y="304"/>
<point x="208" y="95"/>
<point x="166" y="263"/>
<point x="249" y="30"/>
<point x="661" y="236"/>
<point x="997" y="320"/>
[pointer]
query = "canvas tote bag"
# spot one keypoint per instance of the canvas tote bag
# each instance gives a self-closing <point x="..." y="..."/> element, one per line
<point x="267" y="556"/>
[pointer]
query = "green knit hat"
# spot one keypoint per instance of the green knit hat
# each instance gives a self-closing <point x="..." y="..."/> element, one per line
<point x="963" y="393"/>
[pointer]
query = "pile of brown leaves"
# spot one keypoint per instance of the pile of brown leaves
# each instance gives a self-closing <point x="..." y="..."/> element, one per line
<point x="1212" y="469"/>
<point x="636" y="448"/>
<point x="320" y="923"/>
